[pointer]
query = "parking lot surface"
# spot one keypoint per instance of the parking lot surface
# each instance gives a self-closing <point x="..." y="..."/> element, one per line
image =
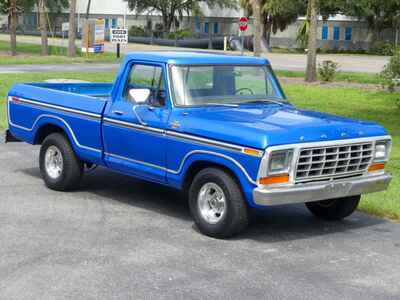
<point x="119" y="238"/>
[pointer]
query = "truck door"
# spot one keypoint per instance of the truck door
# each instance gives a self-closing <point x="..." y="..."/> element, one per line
<point x="134" y="133"/>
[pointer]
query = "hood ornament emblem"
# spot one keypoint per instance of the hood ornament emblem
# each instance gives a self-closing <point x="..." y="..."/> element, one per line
<point x="302" y="138"/>
<point x="344" y="134"/>
<point x="324" y="136"/>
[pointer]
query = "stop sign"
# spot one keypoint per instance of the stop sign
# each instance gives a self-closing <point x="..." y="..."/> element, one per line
<point x="243" y="23"/>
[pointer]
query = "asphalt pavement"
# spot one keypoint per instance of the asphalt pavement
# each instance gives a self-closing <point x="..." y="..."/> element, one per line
<point x="119" y="238"/>
<point x="84" y="67"/>
<point x="279" y="61"/>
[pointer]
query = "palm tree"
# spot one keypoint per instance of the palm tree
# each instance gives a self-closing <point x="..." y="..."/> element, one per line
<point x="13" y="27"/>
<point x="312" y="15"/>
<point x="256" y="7"/>
<point x="72" y="29"/>
<point x="43" y="27"/>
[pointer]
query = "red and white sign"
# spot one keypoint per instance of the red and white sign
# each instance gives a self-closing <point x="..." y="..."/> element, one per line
<point x="243" y="23"/>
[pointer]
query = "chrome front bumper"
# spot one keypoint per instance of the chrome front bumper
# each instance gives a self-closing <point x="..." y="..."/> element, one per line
<point x="310" y="192"/>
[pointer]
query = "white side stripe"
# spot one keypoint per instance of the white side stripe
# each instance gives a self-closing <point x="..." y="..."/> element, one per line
<point x="53" y="117"/>
<point x="57" y="107"/>
<point x="182" y="164"/>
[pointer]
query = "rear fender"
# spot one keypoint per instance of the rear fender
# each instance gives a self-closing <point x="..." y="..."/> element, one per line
<point x="85" y="153"/>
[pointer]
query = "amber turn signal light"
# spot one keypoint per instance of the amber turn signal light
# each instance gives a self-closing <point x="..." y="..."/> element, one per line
<point x="252" y="152"/>
<point x="376" y="167"/>
<point x="283" y="178"/>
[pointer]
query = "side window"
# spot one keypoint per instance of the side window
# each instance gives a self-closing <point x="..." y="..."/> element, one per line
<point x="147" y="77"/>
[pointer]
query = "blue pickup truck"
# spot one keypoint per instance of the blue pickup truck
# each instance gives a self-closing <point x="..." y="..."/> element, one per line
<point x="218" y="127"/>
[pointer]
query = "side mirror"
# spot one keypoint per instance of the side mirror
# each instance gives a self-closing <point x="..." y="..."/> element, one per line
<point x="140" y="96"/>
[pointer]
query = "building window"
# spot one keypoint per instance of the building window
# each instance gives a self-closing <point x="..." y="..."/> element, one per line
<point x="325" y="32"/>
<point x="216" y="28"/>
<point x="197" y="24"/>
<point x="206" y="27"/>
<point x="349" y="34"/>
<point x="114" y="23"/>
<point x="336" y="33"/>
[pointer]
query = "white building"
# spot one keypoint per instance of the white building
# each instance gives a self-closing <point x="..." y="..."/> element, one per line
<point x="339" y="32"/>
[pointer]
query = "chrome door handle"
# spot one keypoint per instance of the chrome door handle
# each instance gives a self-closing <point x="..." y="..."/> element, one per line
<point x="118" y="112"/>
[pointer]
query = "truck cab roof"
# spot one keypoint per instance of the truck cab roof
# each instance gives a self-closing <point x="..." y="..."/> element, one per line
<point x="195" y="57"/>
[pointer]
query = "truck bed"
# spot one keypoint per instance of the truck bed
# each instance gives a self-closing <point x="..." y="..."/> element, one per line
<point x="97" y="90"/>
<point x="76" y="107"/>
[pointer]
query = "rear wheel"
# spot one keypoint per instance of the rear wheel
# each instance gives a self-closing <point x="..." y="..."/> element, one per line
<point x="217" y="204"/>
<point x="61" y="170"/>
<point x="334" y="209"/>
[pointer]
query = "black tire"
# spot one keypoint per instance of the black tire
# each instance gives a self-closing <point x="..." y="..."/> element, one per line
<point x="72" y="169"/>
<point x="335" y="209"/>
<point x="235" y="217"/>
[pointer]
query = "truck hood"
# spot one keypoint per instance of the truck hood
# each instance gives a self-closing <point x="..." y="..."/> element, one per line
<point x="261" y="126"/>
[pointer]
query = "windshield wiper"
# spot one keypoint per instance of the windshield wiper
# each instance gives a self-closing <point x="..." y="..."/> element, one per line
<point x="222" y="104"/>
<point x="265" y="101"/>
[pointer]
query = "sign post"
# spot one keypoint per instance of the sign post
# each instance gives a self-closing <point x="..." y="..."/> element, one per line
<point x="64" y="30"/>
<point x="119" y="36"/>
<point x="243" y="26"/>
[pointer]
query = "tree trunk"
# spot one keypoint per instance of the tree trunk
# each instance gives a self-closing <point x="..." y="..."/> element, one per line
<point x="267" y="32"/>
<point x="13" y="27"/>
<point x="311" y="74"/>
<point x="256" y="5"/>
<point x="89" y="3"/>
<point x="43" y="27"/>
<point x="72" y="29"/>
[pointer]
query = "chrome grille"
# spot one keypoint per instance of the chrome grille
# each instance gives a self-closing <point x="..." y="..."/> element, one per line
<point x="333" y="161"/>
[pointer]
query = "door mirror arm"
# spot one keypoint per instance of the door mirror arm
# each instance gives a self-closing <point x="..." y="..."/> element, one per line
<point x="138" y="117"/>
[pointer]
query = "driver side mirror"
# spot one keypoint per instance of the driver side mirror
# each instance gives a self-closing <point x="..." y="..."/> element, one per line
<point x="140" y="96"/>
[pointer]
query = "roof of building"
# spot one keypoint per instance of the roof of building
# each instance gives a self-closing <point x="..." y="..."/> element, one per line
<point x="195" y="57"/>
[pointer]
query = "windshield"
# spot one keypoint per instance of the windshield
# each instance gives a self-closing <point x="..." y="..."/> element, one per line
<point x="224" y="85"/>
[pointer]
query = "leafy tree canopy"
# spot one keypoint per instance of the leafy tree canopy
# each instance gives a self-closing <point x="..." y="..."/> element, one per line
<point x="55" y="6"/>
<point x="380" y="14"/>
<point x="22" y="5"/>
<point x="170" y="9"/>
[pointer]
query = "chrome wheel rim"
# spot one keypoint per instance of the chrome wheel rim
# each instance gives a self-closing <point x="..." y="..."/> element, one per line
<point x="212" y="203"/>
<point x="54" y="162"/>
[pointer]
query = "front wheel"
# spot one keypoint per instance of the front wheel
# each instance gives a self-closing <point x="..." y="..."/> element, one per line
<point x="217" y="204"/>
<point x="60" y="168"/>
<point x="334" y="209"/>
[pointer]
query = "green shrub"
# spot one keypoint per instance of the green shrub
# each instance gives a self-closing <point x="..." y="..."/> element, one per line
<point x="382" y="48"/>
<point x="180" y="34"/>
<point x="137" y="31"/>
<point x="327" y="70"/>
<point x="391" y="73"/>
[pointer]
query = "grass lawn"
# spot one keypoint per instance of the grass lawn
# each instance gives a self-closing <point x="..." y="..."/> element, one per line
<point x="362" y="104"/>
<point x="30" y="54"/>
<point x="356" y="77"/>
